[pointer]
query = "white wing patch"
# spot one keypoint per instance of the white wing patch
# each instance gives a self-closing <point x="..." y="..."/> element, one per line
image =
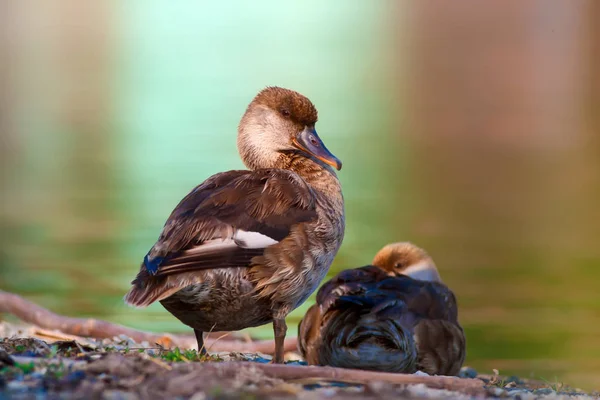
<point x="240" y="238"/>
<point x="213" y="246"/>
<point x="252" y="240"/>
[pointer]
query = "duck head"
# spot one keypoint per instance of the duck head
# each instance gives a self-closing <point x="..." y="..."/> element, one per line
<point x="280" y="121"/>
<point x="407" y="259"/>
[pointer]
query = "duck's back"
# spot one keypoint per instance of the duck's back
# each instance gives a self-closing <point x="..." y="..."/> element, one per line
<point x="439" y="338"/>
<point x="366" y="319"/>
<point x="212" y="266"/>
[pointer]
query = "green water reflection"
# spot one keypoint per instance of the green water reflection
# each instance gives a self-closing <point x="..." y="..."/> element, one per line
<point x="81" y="207"/>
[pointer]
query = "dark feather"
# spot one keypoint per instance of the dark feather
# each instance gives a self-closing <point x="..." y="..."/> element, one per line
<point x="267" y="201"/>
<point x="365" y="318"/>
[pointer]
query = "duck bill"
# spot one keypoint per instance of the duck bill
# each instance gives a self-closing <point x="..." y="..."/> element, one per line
<point x="310" y="142"/>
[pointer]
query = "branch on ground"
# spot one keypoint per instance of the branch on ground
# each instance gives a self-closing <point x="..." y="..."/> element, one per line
<point x="352" y="376"/>
<point x="288" y="373"/>
<point x="34" y="314"/>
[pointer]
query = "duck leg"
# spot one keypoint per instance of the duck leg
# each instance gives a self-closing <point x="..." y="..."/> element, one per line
<point x="200" y="338"/>
<point x="279" y="329"/>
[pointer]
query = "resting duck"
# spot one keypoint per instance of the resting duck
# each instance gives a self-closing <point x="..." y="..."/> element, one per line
<point x="395" y="315"/>
<point x="245" y="248"/>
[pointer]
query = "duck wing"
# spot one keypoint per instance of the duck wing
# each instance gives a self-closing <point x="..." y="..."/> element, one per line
<point x="225" y="222"/>
<point x="350" y="287"/>
<point x="441" y="339"/>
<point x="441" y="344"/>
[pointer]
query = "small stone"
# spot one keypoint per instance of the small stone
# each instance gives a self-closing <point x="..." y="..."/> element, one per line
<point x="118" y="395"/>
<point x="198" y="396"/>
<point x="374" y="387"/>
<point x="543" y="391"/>
<point x="5" y="358"/>
<point x="514" y="379"/>
<point x="75" y="377"/>
<point x="328" y="392"/>
<point x="467" y="372"/>
<point x="16" y="386"/>
<point x="514" y="391"/>
<point x="103" y="376"/>
<point x="287" y="388"/>
<point x="297" y="362"/>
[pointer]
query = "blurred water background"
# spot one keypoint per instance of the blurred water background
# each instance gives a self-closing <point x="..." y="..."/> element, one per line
<point x="469" y="129"/>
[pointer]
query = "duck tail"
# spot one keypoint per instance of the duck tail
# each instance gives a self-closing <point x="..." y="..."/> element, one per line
<point x="377" y="345"/>
<point x="147" y="289"/>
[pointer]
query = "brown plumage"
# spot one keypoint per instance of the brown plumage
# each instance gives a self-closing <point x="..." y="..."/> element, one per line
<point x="246" y="247"/>
<point x="395" y="315"/>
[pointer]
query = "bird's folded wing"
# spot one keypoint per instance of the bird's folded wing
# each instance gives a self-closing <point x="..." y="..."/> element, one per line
<point x="352" y="287"/>
<point x="224" y="223"/>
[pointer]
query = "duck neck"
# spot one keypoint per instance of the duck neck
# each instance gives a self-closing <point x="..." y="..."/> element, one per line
<point x="315" y="173"/>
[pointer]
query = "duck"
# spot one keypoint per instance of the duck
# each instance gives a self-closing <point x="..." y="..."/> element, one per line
<point x="246" y="247"/>
<point x="395" y="315"/>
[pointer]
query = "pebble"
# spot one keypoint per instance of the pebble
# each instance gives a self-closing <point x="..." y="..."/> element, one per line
<point x="118" y="395"/>
<point x="375" y="387"/>
<point x="75" y="377"/>
<point x="525" y="395"/>
<point x="514" y="379"/>
<point x="467" y="372"/>
<point x="515" y="391"/>
<point x="297" y="362"/>
<point x="328" y="392"/>
<point x="543" y="391"/>
<point x="16" y="386"/>
<point x="424" y="392"/>
<point x="497" y="391"/>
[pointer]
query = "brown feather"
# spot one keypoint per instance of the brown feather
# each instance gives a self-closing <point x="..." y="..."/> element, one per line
<point x="413" y="324"/>
<point x="441" y="346"/>
<point x="267" y="201"/>
<point x="288" y="103"/>
<point x="247" y="247"/>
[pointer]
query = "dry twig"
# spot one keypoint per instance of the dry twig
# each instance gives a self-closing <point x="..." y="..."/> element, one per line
<point x="331" y="374"/>
<point x="95" y="328"/>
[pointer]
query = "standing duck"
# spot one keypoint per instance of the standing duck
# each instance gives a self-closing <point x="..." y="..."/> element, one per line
<point x="395" y="315"/>
<point x="246" y="247"/>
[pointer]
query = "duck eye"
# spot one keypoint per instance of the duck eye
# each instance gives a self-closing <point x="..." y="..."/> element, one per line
<point x="285" y="112"/>
<point x="313" y="141"/>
